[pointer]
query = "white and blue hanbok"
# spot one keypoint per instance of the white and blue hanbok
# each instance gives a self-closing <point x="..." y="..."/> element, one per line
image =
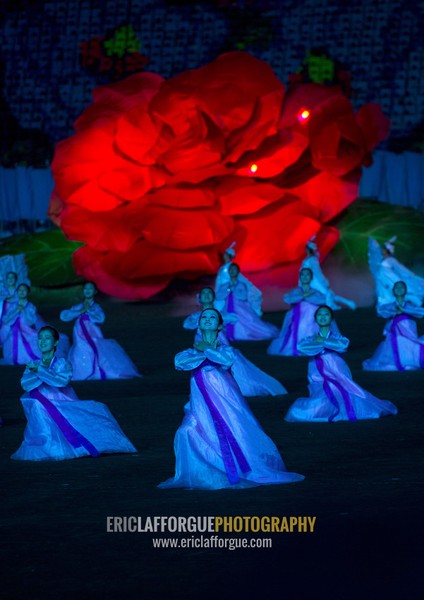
<point x="248" y="326"/>
<point x="60" y="426"/>
<point x="402" y="349"/>
<point x="220" y="444"/>
<point x="299" y="321"/>
<point x="334" y="396"/>
<point x="387" y="271"/>
<point x="92" y="356"/>
<point x="251" y="380"/>
<point x="321" y="284"/>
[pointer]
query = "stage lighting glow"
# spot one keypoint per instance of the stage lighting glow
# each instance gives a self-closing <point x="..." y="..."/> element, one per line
<point x="303" y="115"/>
<point x="253" y="168"/>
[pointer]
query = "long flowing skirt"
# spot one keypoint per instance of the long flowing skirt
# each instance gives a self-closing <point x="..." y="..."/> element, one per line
<point x="401" y="350"/>
<point x="334" y="396"/>
<point x="94" y="357"/>
<point x="252" y="381"/>
<point x="298" y="323"/>
<point x="249" y="325"/>
<point x="220" y="444"/>
<point x="45" y="440"/>
<point x="21" y="344"/>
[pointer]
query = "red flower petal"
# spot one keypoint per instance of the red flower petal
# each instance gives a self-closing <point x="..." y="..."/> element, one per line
<point x="275" y="235"/>
<point x="110" y="101"/>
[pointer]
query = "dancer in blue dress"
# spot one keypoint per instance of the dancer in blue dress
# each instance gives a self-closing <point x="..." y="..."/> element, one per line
<point x="254" y="295"/>
<point x="402" y="349"/>
<point x="299" y="321"/>
<point x="334" y="396"/>
<point x="8" y="297"/>
<point x="251" y="380"/>
<point x="220" y="444"/>
<point x="60" y="426"/>
<point x="387" y="270"/>
<point x="321" y="283"/>
<point x="21" y="342"/>
<point x="92" y="356"/>
<point x="249" y="326"/>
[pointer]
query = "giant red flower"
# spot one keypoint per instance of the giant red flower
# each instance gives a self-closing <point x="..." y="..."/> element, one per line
<point x="161" y="175"/>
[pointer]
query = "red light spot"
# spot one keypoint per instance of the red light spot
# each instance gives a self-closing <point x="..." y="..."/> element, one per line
<point x="303" y="115"/>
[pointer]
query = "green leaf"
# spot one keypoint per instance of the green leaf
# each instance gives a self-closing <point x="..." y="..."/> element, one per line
<point x="48" y="255"/>
<point x="381" y="221"/>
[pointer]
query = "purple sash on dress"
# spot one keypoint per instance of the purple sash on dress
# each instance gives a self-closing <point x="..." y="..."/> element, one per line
<point x="330" y="394"/>
<point x="230" y="309"/>
<point x="3" y="306"/>
<point x="393" y="340"/>
<point x="92" y="345"/>
<point x="293" y="328"/>
<point x="15" y="337"/>
<point x="74" y="437"/>
<point x="227" y="441"/>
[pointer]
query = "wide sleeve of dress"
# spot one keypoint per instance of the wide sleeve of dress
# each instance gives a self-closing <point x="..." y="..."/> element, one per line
<point x="71" y="313"/>
<point x="387" y="311"/>
<point x="229" y="318"/>
<point x="11" y="314"/>
<point x="316" y="298"/>
<point x="311" y="346"/>
<point x="59" y="374"/>
<point x="30" y="313"/>
<point x="223" y="355"/>
<point x="404" y="273"/>
<point x="293" y="297"/>
<point x="223" y="291"/>
<point x="96" y="313"/>
<point x="240" y="290"/>
<point x="417" y="312"/>
<point x="336" y="343"/>
<point x="192" y="321"/>
<point x="190" y="359"/>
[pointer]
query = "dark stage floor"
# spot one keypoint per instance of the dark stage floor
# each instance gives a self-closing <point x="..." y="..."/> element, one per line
<point x="363" y="484"/>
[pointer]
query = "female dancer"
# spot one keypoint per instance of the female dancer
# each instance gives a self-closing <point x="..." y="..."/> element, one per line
<point x="220" y="444"/>
<point x="8" y="296"/>
<point x="299" y="320"/>
<point x="21" y="343"/>
<point x="223" y="278"/>
<point x="22" y="321"/>
<point x="250" y="379"/>
<point x="60" y="426"/>
<point x="402" y="350"/>
<point x="334" y="396"/>
<point x="248" y="325"/>
<point x="321" y="283"/>
<point x="91" y="355"/>
<point x="386" y="271"/>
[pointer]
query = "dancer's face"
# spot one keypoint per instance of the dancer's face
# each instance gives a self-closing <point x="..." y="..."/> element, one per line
<point x="206" y="296"/>
<point x="46" y="341"/>
<point x="305" y="276"/>
<point x="209" y="321"/>
<point x="22" y="292"/>
<point x="233" y="271"/>
<point x="399" y="289"/>
<point x="323" y="317"/>
<point x="11" y="279"/>
<point x="89" y="291"/>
